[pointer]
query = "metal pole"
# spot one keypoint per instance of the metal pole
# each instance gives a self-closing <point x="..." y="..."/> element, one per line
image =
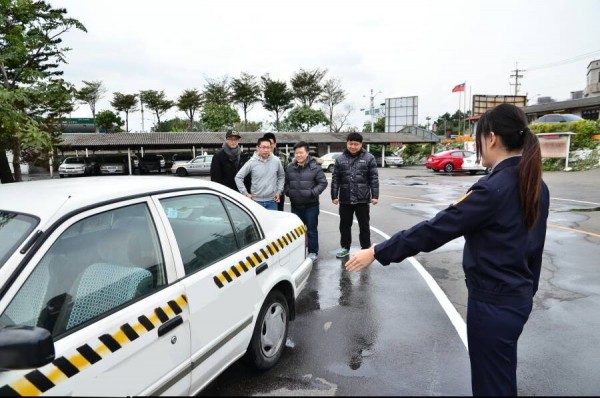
<point x="142" y="106"/>
<point x="372" y="110"/>
<point x="567" y="168"/>
<point x="129" y="161"/>
<point x="51" y="161"/>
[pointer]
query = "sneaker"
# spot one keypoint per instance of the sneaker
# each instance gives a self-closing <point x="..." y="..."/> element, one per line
<point x="343" y="252"/>
<point x="313" y="256"/>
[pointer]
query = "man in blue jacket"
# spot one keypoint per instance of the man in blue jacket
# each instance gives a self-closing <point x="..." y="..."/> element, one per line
<point x="304" y="182"/>
<point x="354" y="185"/>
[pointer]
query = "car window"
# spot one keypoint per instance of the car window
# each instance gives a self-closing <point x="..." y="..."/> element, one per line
<point x="245" y="228"/>
<point x="14" y="229"/>
<point x="199" y="159"/>
<point x="96" y="265"/>
<point x="202" y="229"/>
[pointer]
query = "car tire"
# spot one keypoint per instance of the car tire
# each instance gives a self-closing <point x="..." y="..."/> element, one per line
<point x="435" y="170"/>
<point x="472" y="172"/>
<point x="330" y="168"/>
<point x="270" y="332"/>
<point x="61" y="176"/>
<point x="449" y="168"/>
<point x="181" y="172"/>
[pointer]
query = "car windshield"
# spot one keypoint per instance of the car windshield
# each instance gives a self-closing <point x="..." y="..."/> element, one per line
<point x="14" y="229"/>
<point x="74" y="160"/>
<point x="443" y="153"/>
<point x="571" y="118"/>
<point x="113" y="159"/>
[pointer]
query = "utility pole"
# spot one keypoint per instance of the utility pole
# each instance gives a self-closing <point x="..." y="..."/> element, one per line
<point x="517" y="76"/>
<point x="142" y="108"/>
<point x="372" y="108"/>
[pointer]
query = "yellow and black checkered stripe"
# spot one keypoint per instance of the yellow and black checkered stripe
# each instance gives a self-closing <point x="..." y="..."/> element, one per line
<point x="256" y="258"/>
<point x="62" y="368"/>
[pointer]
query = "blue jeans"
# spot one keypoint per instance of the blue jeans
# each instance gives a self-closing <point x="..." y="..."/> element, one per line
<point x="268" y="204"/>
<point x="310" y="217"/>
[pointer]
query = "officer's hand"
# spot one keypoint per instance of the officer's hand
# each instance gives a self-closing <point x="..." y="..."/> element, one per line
<point x="374" y="201"/>
<point x="276" y="198"/>
<point x="335" y="201"/>
<point x="361" y="259"/>
<point x="249" y="195"/>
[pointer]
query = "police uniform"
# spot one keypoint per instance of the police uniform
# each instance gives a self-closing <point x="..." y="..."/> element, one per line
<point x="502" y="261"/>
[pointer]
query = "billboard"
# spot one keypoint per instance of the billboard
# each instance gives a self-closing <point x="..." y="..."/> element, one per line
<point x="482" y="103"/>
<point x="401" y="112"/>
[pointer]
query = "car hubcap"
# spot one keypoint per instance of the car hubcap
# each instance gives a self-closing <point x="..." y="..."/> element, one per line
<point x="273" y="330"/>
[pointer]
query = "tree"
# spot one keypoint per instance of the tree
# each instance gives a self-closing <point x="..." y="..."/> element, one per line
<point x="177" y="125"/>
<point x="157" y="102"/>
<point x="90" y="94"/>
<point x="109" y="122"/>
<point x="378" y="126"/>
<point x="125" y="103"/>
<point x="189" y="102"/>
<point x="277" y="98"/>
<point x="249" y="127"/>
<point x="333" y="95"/>
<point x="246" y="92"/>
<point x="217" y="117"/>
<point x="30" y="54"/>
<point x="339" y="119"/>
<point x="303" y="118"/>
<point x="306" y="85"/>
<point x="217" y="91"/>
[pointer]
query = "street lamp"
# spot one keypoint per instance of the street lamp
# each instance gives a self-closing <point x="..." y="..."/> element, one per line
<point x="372" y="108"/>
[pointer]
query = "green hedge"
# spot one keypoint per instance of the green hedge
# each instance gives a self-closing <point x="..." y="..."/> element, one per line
<point x="583" y="129"/>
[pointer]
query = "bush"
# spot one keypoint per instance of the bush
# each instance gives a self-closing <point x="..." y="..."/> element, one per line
<point x="584" y="131"/>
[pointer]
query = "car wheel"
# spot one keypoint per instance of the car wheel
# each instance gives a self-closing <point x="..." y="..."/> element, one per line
<point x="270" y="332"/>
<point x="449" y="168"/>
<point x="330" y="168"/>
<point x="472" y="172"/>
<point x="61" y="176"/>
<point x="181" y="172"/>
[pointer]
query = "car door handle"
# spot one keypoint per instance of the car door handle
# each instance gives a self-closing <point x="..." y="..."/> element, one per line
<point x="170" y="325"/>
<point x="261" y="268"/>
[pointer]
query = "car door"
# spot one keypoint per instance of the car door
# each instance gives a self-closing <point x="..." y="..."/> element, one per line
<point x="104" y="285"/>
<point x="221" y="263"/>
<point x="197" y="165"/>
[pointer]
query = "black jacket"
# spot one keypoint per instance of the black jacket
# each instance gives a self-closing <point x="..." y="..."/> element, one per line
<point x="502" y="259"/>
<point x="355" y="178"/>
<point x="223" y="170"/>
<point x="303" y="185"/>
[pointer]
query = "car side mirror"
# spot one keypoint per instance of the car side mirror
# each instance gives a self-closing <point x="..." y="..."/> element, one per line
<point x="25" y="347"/>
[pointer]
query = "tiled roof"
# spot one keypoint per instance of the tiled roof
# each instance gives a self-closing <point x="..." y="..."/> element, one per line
<point x="172" y="140"/>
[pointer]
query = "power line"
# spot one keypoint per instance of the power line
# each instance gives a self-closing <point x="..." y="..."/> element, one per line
<point x="565" y="61"/>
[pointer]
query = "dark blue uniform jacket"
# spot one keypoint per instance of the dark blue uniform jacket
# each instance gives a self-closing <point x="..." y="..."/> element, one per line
<point x="502" y="259"/>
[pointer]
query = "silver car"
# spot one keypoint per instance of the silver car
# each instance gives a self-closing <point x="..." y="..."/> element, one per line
<point x="197" y="166"/>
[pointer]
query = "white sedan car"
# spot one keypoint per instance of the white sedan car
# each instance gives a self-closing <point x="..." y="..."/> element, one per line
<point x="471" y="165"/>
<point x="197" y="166"/>
<point x="140" y="285"/>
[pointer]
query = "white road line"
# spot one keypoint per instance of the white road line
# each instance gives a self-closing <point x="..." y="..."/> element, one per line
<point x="451" y="312"/>
<point x="577" y="201"/>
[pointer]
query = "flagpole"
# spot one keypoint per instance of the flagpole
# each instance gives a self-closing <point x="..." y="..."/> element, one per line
<point x="459" y="94"/>
<point x="465" y="109"/>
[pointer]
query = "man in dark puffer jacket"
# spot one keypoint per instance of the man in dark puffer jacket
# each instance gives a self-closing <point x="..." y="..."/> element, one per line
<point x="354" y="185"/>
<point x="304" y="182"/>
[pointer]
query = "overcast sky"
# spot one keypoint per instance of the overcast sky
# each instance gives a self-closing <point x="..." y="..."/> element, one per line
<point x="401" y="48"/>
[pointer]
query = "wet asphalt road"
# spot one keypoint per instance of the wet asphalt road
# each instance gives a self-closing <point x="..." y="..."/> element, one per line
<point x="383" y="332"/>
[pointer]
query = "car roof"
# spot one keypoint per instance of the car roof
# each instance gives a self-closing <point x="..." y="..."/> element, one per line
<point x="53" y="198"/>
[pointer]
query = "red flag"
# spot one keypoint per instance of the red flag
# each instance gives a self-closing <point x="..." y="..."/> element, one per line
<point x="460" y="87"/>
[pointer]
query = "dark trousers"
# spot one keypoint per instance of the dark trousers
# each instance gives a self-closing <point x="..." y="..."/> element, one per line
<point x="362" y="215"/>
<point x="310" y="218"/>
<point x="281" y="202"/>
<point x="492" y="332"/>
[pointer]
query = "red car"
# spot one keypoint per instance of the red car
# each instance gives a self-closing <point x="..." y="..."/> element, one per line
<point x="448" y="161"/>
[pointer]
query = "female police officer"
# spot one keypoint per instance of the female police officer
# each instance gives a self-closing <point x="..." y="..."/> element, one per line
<point x="503" y="220"/>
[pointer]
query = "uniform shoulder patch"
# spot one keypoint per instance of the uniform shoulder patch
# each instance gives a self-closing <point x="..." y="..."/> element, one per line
<point x="465" y="196"/>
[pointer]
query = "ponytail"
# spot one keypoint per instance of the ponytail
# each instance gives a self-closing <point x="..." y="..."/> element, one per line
<point x="510" y="124"/>
<point x="530" y="177"/>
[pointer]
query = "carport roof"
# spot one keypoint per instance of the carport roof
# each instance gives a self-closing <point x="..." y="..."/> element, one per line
<point x="178" y="140"/>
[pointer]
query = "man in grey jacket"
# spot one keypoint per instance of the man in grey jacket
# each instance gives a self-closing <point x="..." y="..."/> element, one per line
<point x="267" y="174"/>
